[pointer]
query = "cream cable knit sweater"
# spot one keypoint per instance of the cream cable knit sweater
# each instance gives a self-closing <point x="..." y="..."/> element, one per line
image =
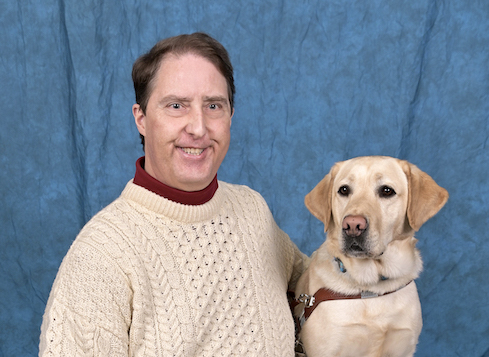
<point x="151" y="277"/>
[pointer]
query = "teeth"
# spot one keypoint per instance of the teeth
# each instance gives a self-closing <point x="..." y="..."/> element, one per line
<point x="193" y="151"/>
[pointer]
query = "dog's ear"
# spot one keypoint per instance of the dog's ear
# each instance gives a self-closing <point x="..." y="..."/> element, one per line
<point x="425" y="198"/>
<point x="318" y="201"/>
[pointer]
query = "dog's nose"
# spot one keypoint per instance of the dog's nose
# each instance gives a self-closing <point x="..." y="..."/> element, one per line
<point x="354" y="225"/>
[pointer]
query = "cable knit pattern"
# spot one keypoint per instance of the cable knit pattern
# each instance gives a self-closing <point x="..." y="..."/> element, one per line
<point x="151" y="277"/>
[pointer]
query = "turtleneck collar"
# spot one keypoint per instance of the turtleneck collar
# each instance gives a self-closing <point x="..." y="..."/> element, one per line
<point x="143" y="179"/>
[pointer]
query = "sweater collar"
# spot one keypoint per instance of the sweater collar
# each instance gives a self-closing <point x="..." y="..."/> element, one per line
<point x="143" y="179"/>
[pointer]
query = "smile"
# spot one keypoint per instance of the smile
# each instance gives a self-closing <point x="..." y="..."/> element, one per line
<point x="192" y="151"/>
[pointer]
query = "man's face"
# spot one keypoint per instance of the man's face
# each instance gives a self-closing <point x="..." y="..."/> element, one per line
<point x="187" y="122"/>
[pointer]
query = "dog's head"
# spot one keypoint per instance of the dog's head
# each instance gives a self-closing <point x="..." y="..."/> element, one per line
<point x="367" y="202"/>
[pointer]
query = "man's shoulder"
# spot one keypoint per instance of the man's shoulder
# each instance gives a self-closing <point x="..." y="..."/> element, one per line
<point x="242" y="192"/>
<point x="233" y="187"/>
<point x="113" y="217"/>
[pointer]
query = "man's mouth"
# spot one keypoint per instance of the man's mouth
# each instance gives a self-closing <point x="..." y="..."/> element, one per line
<point x="192" y="151"/>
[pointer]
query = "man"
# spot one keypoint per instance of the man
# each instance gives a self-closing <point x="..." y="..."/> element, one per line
<point x="181" y="264"/>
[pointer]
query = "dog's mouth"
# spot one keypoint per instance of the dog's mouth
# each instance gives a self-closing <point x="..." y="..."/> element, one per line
<point x="356" y="246"/>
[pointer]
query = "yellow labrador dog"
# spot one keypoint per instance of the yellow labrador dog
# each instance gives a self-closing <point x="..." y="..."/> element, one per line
<point x="358" y="296"/>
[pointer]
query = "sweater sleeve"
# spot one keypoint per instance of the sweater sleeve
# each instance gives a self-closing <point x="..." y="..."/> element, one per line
<point x="300" y="264"/>
<point x="296" y="262"/>
<point x="88" y="311"/>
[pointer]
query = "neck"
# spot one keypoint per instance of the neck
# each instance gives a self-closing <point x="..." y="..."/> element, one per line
<point x="399" y="264"/>
<point x="143" y="179"/>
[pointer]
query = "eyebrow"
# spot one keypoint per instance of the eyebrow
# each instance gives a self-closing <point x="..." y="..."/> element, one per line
<point x="176" y="98"/>
<point x="215" y="99"/>
<point x="173" y="98"/>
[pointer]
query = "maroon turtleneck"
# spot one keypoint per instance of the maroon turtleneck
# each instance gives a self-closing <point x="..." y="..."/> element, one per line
<point x="143" y="179"/>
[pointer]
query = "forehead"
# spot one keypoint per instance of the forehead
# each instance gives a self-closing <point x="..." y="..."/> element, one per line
<point x="371" y="169"/>
<point x="189" y="65"/>
<point x="188" y="75"/>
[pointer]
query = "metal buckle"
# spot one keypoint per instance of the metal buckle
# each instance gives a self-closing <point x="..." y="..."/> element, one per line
<point x="307" y="300"/>
<point x="368" y="294"/>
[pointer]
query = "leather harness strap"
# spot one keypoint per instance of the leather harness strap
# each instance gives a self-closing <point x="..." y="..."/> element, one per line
<point x="324" y="294"/>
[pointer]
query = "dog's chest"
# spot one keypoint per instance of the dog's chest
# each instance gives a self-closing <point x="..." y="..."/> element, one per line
<point x="364" y="327"/>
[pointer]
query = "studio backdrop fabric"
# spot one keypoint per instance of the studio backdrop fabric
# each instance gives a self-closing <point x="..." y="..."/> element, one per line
<point x="317" y="82"/>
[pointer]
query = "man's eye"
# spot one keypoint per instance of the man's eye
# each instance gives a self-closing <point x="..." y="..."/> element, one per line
<point x="175" y="106"/>
<point x="213" y="106"/>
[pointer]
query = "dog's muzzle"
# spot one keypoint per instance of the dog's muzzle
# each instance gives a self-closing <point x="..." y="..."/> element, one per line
<point x="355" y="234"/>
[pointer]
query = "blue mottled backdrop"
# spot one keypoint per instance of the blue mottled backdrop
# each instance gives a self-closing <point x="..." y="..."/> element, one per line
<point x="318" y="81"/>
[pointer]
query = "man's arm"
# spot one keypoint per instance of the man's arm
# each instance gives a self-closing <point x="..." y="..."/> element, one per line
<point x="88" y="312"/>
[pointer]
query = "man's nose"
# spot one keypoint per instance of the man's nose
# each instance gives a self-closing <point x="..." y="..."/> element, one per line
<point x="197" y="123"/>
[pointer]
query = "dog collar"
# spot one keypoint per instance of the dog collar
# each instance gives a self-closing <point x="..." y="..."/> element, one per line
<point x="342" y="268"/>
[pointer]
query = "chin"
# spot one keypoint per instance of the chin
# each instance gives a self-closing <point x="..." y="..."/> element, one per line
<point x="194" y="183"/>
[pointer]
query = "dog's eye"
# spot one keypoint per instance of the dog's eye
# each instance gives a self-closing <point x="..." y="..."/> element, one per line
<point x="344" y="190"/>
<point x="386" y="191"/>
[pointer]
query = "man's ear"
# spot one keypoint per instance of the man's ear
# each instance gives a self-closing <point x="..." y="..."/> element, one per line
<point x="318" y="201"/>
<point x="139" y="118"/>
<point x="425" y="197"/>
